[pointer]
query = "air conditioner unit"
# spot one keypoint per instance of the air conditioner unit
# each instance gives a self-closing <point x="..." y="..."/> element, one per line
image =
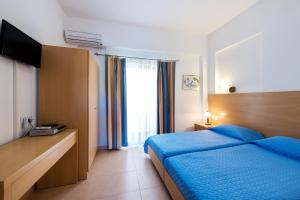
<point x="83" y="39"/>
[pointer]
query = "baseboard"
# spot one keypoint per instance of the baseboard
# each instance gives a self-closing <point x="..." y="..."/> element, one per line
<point x="102" y="147"/>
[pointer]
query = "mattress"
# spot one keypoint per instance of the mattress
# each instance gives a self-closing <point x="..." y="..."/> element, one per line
<point x="167" y="145"/>
<point x="260" y="170"/>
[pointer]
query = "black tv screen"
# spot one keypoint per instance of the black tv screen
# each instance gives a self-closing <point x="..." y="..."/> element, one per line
<point x="19" y="46"/>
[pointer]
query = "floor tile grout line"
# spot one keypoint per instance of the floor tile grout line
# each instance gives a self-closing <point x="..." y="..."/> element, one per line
<point x="141" y="195"/>
<point x="140" y="192"/>
<point x="139" y="184"/>
<point x="119" y="194"/>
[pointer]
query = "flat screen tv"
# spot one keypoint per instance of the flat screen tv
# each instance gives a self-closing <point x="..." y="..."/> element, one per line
<point x="19" y="46"/>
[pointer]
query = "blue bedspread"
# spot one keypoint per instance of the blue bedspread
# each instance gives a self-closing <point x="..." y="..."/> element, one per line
<point x="250" y="171"/>
<point x="178" y="143"/>
<point x="221" y="136"/>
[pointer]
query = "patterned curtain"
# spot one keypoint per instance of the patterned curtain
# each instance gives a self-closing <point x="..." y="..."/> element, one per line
<point x="166" y="100"/>
<point x="116" y="102"/>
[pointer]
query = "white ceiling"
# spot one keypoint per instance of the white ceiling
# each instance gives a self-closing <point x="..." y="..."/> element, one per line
<point x="190" y="16"/>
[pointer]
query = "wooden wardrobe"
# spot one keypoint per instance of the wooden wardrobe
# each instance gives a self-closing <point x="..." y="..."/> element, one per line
<point x="68" y="94"/>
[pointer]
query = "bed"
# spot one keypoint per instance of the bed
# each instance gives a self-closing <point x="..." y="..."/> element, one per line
<point x="264" y="169"/>
<point x="163" y="146"/>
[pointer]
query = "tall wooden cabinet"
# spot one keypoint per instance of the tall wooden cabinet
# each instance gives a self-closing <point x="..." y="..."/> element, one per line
<point x="68" y="94"/>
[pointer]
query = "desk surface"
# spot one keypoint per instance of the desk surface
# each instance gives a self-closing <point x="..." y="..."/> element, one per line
<point x="23" y="153"/>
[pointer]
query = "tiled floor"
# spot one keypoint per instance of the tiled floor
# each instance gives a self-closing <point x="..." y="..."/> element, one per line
<point x="115" y="175"/>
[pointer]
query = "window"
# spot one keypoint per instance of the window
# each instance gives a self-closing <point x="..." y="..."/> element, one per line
<point x="141" y="77"/>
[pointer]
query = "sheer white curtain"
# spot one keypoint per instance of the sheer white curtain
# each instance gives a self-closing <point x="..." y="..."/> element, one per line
<point x="141" y="78"/>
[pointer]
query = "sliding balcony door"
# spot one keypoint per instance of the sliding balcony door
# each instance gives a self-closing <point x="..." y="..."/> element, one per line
<point x="141" y="77"/>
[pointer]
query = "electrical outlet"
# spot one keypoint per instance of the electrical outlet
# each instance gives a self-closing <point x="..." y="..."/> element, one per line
<point x="25" y="121"/>
<point x="30" y="120"/>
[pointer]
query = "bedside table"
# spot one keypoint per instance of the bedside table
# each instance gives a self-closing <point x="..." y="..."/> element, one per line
<point x="202" y="126"/>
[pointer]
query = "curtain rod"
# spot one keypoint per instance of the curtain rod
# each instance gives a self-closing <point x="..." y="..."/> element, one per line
<point x="141" y="58"/>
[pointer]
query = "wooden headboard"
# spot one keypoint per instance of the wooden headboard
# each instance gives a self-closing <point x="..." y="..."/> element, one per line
<point x="271" y="113"/>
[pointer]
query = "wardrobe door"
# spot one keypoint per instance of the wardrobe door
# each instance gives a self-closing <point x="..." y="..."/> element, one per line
<point x="93" y="108"/>
<point x="63" y="95"/>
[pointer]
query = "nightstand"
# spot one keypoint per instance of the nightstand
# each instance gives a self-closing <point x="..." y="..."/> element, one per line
<point x="202" y="126"/>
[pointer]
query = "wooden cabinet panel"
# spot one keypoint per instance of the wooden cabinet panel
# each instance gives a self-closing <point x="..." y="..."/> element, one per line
<point x="93" y="109"/>
<point x="68" y="94"/>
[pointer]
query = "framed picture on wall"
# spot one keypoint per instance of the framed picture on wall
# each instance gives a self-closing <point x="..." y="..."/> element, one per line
<point x="190" y="82"/>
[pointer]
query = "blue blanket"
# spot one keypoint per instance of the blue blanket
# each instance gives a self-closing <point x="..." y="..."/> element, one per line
<point x="251" y="171"/>
<point x="167" y="145"/>
<point x="179" y="143"/>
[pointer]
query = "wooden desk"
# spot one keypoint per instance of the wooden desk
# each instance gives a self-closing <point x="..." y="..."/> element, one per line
<point x="202" y="126"/>
<point x="26" y="160"/>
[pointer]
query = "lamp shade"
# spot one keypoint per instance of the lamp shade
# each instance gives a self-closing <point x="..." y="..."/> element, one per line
<point x="207" y="114"/>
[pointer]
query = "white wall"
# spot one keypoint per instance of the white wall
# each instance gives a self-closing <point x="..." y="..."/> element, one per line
<point x="6" y="100"/>
<point x="151" y="43"/>
<point x="278" y="23"/>
<point x="228" y="71"/>
<point x="43" y="21"/>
